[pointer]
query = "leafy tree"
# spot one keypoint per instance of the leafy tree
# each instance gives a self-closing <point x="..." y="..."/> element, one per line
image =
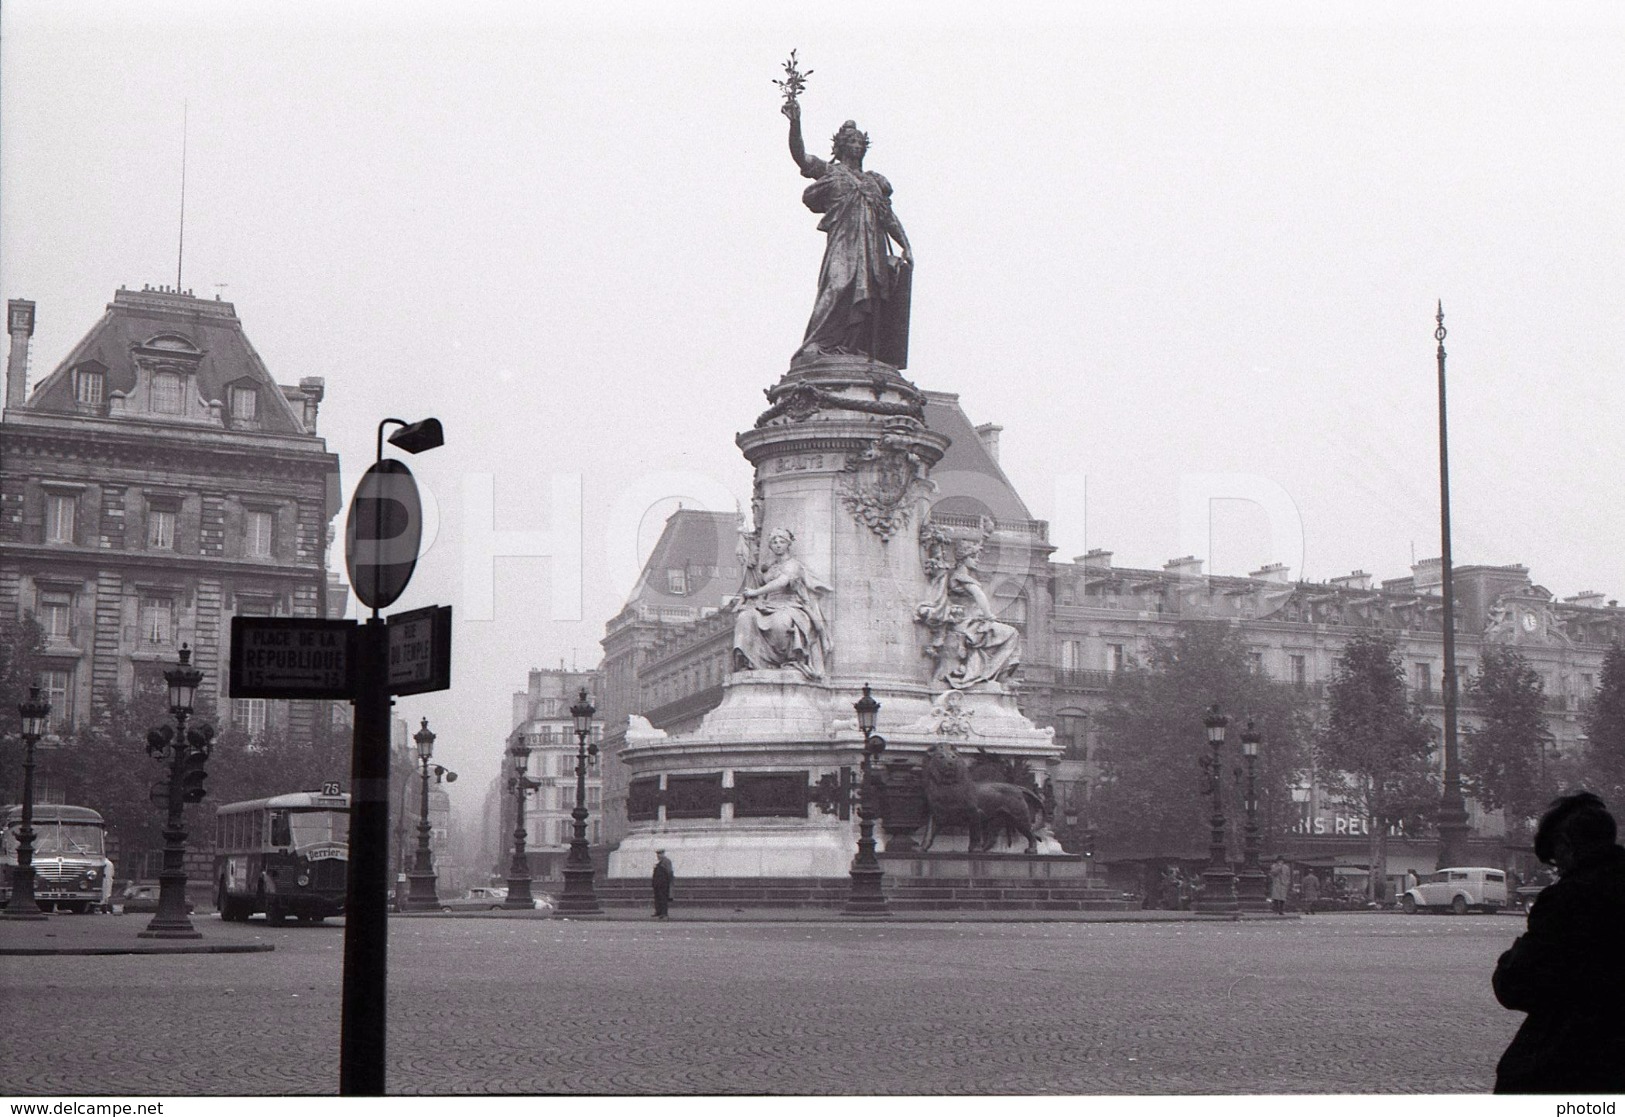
<point x="1504" y="765"/>
<point x="1374" y="750"/>
<point x="103" y="764"/>
<point x="1604" y="759"/>
<point x="21" y="641"/>
<point x="1152" y="794"/>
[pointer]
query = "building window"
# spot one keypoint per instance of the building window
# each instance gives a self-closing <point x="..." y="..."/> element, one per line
<point x="160" y="529"/>
<point x="1299" y="666"/>
<point x="1255" y="662"/>
<point x="166" y="393"/>
<point x="257" y="535"/>
<point x="60" y="511"/>
<point x="88" y="385"/>
<point x="594" y="798"/>
<point x="677" y="581"/>
<point x="56" y="614"/>
<point x="1587" y="685"/>
<point x="1424" y="678"/>
<point x="1116" y="657"/>
<point x="563" y="831"/>
<point x="157" y="620"/>
<point x="57" y="688"/>
<point x="249" y="715"/>
<point x="245" y="405"/>
<point x="1069" y="655"/>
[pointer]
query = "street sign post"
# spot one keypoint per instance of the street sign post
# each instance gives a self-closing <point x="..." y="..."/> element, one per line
<point x="292" y="657"/>
<point x="420" y="650"/>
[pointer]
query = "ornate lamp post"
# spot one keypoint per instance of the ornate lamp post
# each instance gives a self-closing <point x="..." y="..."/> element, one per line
<point x="420" y="894"/>
<point x="866" y="896"/>
<point x="1218" y="882"/>
<point x="522" y="786"/>
<point x="35" y="713"/>
<point x="1251" y="890"/>
<point x="187" y="751"/>
<point x="578" y="897"/>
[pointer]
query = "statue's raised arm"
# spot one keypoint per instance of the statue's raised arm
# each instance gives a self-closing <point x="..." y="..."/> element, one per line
<point x="810" y="165"/>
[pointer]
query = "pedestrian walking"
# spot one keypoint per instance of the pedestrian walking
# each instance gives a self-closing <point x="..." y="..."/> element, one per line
<point x="1567" y="970"/>
<point x="1311" y="890"/>
<point x="1280" y="885"/>
<point x="664" y="874"/>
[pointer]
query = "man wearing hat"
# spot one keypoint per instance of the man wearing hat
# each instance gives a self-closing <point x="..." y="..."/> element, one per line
<point x="663" y="875"/>
<point x="1567" y="971"/>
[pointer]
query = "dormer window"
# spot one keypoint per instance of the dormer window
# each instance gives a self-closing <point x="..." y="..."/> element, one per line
<point x="245" y="406"/>
<point x="89" y="385"/>
<point x="166" y="393"/>
<point x="677" y="580"/>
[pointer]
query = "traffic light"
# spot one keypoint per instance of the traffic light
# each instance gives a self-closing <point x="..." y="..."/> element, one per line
<point x="158" y="741"/>
<point x="193" y="774"/>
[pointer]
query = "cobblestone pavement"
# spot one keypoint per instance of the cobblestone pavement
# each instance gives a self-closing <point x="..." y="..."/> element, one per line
<point x="1340" y="1004"/>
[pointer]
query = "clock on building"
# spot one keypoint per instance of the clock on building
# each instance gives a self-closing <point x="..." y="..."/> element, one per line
<point x="1530" y="623"/>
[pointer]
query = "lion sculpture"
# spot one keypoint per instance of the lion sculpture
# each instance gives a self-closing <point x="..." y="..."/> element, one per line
<point x="984" y="807"/>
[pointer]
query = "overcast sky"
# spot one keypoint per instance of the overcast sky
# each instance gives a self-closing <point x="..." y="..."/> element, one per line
<point x="1153" y="242"/>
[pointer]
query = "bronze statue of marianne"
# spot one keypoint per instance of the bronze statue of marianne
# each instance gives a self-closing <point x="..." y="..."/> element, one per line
<point x="863" y="290"/>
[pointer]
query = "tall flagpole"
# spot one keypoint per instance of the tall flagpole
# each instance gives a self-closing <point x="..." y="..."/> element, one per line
<point x="1451" y="819"/>
<point x="180" y="247"/>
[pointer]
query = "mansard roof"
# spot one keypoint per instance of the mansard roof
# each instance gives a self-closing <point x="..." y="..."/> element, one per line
<point x="701" y="544"/>
<point x="169" y="322"/>
<point x="969" y="480"/>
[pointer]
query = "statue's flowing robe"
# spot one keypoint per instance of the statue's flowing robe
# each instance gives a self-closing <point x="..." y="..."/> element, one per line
<point x="862" y="289"/>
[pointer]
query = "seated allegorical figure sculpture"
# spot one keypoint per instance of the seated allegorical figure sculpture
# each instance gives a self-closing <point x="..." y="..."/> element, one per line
<point x="968" y="643"/>
<point x="780" y="622"/>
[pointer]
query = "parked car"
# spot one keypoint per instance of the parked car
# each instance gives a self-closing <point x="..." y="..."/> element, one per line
<point x="140" y="897"/>
<point x="491" y="898"/>
<point x="1458" y="890"/>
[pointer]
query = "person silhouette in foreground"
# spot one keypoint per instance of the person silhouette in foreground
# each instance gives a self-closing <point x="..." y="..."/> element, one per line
<point x="1567" y="971"/>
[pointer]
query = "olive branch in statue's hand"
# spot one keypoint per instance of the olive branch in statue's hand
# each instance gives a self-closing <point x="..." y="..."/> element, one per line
<point x="791" y="85"/>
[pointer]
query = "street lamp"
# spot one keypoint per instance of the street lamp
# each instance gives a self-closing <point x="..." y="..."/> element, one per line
<point x="521" y="785"/>
<point x="35" y="711"/>
<point x="420" y="893"/>
<point x="187" y="752"/>
<point x="866" y="896"/>
<point x="578" y="897"/>
<point x="1218" y="883"/>
<point x="1251" y="891"/>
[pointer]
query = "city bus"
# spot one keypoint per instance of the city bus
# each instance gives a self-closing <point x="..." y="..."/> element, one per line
<point x="285" y="855"/>
<point x="71" y="869"/>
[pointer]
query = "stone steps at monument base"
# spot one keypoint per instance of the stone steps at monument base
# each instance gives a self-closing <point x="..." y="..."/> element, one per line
<point x="902" y="894"/>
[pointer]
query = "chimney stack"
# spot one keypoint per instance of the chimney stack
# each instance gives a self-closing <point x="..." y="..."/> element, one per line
<point x="989" y="434"/>
<point x="20" y="325"/>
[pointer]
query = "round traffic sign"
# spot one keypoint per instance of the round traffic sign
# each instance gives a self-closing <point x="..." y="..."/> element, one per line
<point x="382" y="535"/>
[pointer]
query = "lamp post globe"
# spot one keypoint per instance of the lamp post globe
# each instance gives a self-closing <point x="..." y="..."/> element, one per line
<point x="35" y="713"/>
<point x="578" y="897"/>
<point x="867" y="896"/>
<point x="1218" y="882"/>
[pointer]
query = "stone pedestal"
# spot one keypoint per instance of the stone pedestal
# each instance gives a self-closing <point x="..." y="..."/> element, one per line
<point x="842" y="460"/>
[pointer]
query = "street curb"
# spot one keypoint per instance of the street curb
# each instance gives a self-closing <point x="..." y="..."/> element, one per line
<point x="200" y="948"/>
